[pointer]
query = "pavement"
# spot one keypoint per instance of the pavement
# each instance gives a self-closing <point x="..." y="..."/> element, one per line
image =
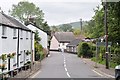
<point x="27" y="73"/>
<point x="100" y="68"/>
<point x="66" y="65"/>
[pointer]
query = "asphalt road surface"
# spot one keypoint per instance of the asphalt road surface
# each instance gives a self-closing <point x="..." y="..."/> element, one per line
<point x="65" y="65"/>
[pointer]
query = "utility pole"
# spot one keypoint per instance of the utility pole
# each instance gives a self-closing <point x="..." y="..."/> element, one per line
<point x="81" y="25"/>
<point x="106" y="34"/>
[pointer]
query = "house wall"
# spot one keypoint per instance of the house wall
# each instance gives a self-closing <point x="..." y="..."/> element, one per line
<point x="72" y="49"/>
<point x="0" y="39"/>
<point x="9" y="46"/>
<point x="54" y="44"/>
<point x="42" y="35"/>
<point x="63" y="45"/>
<point x="24" y="45"/>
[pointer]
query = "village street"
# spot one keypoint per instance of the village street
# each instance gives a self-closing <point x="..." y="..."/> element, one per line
<point x="65" y="65"/>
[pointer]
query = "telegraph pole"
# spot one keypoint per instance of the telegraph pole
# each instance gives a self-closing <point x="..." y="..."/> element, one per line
<point x="81" y="25"/>
<point x="106" y="34"/>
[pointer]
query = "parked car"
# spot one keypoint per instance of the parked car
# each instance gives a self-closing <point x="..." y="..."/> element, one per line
<point x="117" y="72"/>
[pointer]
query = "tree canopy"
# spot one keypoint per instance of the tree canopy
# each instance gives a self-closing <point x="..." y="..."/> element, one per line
<point x="66" y="27"/>
<point x="29" y="13"/>
<point x="95" y="27"/>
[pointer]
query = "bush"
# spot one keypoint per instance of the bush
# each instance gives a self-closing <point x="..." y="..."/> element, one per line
<point x="117" y="55"/>
<point x="84" y="50"/>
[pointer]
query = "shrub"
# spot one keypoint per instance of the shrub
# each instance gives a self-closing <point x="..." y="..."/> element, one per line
<point x="84" y="50"/>
<point x="117" y="55"/>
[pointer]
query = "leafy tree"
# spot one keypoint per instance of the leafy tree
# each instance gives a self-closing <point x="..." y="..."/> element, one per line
<point x="54" y="29"/>
<point x="84" y="50"/>
<point x="76" y="31"/>
<point x="27" y="12"/>
<point x="66" y="27"/>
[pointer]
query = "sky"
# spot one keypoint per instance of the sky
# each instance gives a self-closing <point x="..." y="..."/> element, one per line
<point x="59" y="11"/>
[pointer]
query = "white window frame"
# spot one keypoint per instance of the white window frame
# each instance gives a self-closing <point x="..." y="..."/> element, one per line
<point x="14" y="32"/>
<point x="4" y="31"/>
<point x="21" y="33"/>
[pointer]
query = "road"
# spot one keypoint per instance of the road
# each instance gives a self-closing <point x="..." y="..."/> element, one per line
<point x="65" y="65"/>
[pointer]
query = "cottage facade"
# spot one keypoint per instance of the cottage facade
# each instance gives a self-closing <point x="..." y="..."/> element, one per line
<point x="60" y="40"/>
<point x="72" y="47"/>
<point x="15" y="41"/>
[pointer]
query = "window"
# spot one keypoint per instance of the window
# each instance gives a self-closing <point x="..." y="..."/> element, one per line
<point x="14" y="32"/>
<point x="21" y="34"/>
<point x="4" y="30"/>
<point x="63" y="44"/>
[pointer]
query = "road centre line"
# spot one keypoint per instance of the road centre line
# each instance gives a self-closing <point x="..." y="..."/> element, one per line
<point x="68" y="75"/>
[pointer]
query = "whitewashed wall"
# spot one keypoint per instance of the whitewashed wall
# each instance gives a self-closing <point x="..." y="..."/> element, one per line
<point x="0" y="40"/>
<point x="9" y="46"/>
<point x="24" y="45"/>
<point x="54" y="44"/>
<point x="42" y="35"/>
<point x="63" y="46"/>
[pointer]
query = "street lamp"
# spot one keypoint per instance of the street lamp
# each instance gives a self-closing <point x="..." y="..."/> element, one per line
<point x="106" y="33"/>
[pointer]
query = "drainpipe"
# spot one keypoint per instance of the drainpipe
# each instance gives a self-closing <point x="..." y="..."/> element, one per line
<point x="18" y="50"/>
<point x="31" y="51"/>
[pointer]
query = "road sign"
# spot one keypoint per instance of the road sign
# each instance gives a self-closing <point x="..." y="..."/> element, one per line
<point x="103" y="43"/>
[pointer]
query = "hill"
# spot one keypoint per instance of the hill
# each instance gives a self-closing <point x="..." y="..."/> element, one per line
<point x="75" y="24"/>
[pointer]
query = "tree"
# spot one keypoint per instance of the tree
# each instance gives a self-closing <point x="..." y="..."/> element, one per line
<point x="66" y="27"/>
<point x="76" y="31"/>
<point x="84" y="50"/>
<point x="46" y="28"/>
<point x="27" y="12"/>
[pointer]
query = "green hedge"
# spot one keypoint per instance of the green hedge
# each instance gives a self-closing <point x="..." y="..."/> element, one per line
<point x="84" y="50"/>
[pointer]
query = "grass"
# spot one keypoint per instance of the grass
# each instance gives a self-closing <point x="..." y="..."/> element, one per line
<point x="112" y="64"/>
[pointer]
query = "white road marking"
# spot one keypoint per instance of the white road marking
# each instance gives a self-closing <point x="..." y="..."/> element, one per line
<point x="64" y="65"/>
<point x="65" y="69"/>
<point x="64" y="62"/>
<point x="97" y="73"/>
<point x="68" y="75"/>
<point x="35" y="74"/>
<point x="107" y="75"/>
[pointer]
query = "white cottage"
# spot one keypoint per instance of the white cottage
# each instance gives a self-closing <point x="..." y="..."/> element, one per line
<point x="42" y="35"/>
<point x="15" y="41"/>
<point x="60" y="40"/>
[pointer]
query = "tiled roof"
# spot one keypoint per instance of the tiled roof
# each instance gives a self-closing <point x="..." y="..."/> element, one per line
<point x="74" y="42"/>
<point x="64" y="36"/>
